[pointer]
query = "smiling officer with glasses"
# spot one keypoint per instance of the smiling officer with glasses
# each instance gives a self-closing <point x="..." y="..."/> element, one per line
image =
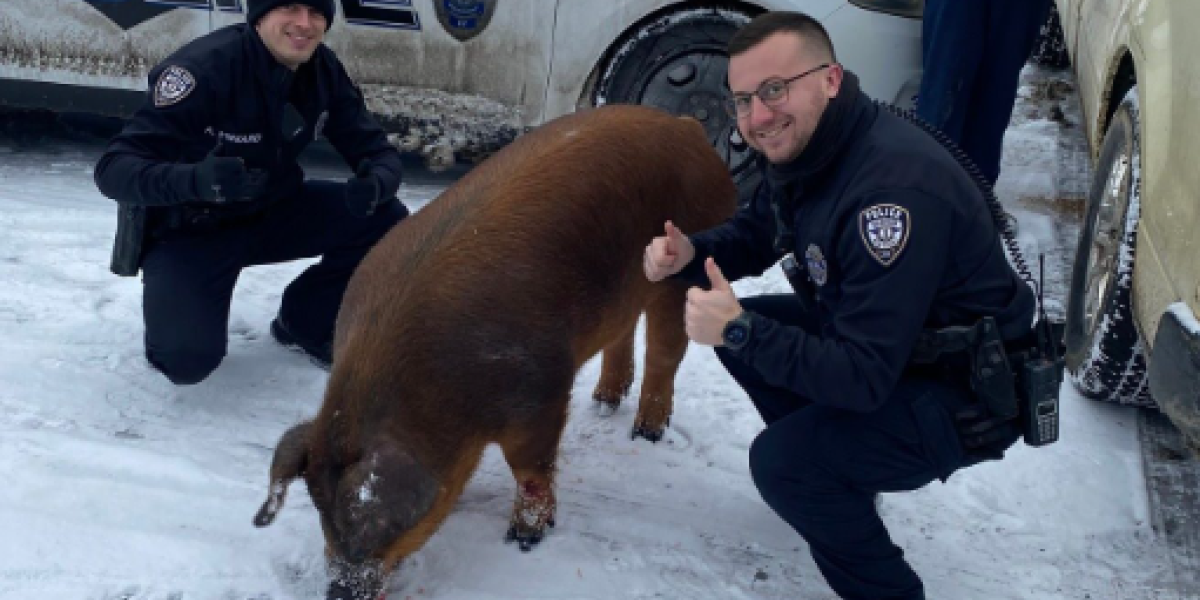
<point x="885" y="236"/>
<point x="773" y="93"/>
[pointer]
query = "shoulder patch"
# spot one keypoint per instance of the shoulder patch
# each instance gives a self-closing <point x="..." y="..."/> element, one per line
<point x="173" y="85"/>
<point x="884" y="229"/>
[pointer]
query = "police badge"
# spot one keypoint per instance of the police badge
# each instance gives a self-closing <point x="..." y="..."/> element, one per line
<point x="818" y="269"/>
<point x="464" y="19"/>
<point x="174" y="84"/>
<point x="884" y="229"/>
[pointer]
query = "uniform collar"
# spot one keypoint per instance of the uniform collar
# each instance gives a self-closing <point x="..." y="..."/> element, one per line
<point x="276" y="78"/>
<point x="846" y="113"/>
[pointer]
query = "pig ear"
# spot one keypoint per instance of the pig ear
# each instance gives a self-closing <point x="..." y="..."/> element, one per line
<point x="379" y="499"/>
<point x="291" y="458"/>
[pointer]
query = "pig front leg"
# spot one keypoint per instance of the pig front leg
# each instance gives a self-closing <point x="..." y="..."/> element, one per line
<point x="533" y="511"/>
<point x="531" y="449"/>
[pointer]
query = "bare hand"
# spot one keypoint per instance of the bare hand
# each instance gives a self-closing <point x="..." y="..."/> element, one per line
<point x="708" y="312"/>
<point x="668" y="254"/>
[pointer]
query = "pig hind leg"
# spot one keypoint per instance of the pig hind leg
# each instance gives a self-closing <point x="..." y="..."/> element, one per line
<point x="666" y="343"/>
<point x="616" y="372"/>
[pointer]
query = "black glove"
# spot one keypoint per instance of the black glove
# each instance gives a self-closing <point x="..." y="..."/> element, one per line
<point x="220" y="178"/>
<point x="362" y="191"/>
<point x="984" y="437"/>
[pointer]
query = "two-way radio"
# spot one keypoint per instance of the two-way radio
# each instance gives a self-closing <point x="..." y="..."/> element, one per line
<point x="1040" y="377"/>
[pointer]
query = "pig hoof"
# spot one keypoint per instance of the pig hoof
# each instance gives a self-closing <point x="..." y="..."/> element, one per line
<point x="606" y="408"/>
<point x="653" y="435"/>
<point x="525" y="541"/>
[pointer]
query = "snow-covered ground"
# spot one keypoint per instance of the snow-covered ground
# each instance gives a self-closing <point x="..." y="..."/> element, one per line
<point x="118" y="485"/>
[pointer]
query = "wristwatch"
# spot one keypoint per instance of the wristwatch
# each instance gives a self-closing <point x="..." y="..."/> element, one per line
<point x="737" y="332"/>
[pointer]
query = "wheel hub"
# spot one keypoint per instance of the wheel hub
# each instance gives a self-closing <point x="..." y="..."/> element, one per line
<point x="687" y="84"/>
<point x="1108" y="234"/>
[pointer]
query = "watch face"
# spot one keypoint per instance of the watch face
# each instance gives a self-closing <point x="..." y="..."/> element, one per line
<point x="735" y="335"/>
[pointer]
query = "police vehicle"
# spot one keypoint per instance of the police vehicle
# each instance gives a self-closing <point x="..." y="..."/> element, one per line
<point x="456" y="79"/>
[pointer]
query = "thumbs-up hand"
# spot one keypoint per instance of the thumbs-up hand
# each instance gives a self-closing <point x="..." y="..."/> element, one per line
<point x="708" y="311"/>
<point x="362" y="191"/>
<point x="219" y="178"/>
<point x="667" y="254"/>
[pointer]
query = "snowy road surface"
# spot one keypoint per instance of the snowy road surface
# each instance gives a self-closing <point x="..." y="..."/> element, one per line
<point x="117" y="484"/>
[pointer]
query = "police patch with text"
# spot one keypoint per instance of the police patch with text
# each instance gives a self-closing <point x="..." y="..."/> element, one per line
<point x="173" y="85"/>
<point x="885" y="229"/>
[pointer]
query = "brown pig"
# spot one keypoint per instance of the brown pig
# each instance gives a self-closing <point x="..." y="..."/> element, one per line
<point x="467" y="323"/>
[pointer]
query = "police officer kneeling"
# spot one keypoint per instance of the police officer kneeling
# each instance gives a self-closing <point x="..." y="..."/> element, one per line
<point x="895" y="239"/>
<point x="207" y="166"/>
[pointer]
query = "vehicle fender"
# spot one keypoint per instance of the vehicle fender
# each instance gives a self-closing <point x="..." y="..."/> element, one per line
<point x="1175" y="369"/>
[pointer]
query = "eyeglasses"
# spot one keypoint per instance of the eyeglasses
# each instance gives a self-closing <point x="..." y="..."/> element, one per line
<point x="772" y="92"/>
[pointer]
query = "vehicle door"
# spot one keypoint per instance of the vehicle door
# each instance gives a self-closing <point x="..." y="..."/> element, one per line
<point x="1164" y="40"/>
<point x="95" y="43"/>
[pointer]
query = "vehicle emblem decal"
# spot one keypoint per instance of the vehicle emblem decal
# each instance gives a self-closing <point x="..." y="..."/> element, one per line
<point x="884" y="229"/>
<point x="818" y="269"/>
<point x="464" y="19"/>
<point x="174" y="84"/>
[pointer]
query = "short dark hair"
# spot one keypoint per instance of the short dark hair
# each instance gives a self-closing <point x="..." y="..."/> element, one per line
<point x="767" y="24"/>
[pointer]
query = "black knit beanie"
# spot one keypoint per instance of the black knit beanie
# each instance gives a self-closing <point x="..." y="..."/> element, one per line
<point x="255" y="9"/>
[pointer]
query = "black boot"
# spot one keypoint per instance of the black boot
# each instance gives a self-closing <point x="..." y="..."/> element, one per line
<point x="321" y="354"/>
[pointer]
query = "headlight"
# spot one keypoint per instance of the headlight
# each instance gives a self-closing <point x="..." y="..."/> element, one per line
<point x="903" y="8"/>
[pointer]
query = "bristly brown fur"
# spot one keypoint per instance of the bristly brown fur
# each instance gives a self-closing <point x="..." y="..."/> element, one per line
<point x="466" y="324"/>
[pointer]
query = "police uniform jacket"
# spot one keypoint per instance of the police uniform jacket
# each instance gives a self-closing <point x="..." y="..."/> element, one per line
<point x="894" y="237"/>
<point x="226" y="88"/>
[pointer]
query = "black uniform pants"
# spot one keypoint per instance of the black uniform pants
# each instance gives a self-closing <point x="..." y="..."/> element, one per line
<point x="189" y="275"/>
<point x="973" y="53"/>
<point x="820" y="468"/>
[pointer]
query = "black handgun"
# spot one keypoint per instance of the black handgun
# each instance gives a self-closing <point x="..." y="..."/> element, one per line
<point x="131" y="233"/>
<point x="991" y="374"/>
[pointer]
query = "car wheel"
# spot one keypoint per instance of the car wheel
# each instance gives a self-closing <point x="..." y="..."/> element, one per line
<point x="678" y="63"/>
<point x="1105" y="359"/>
<point x="1050" y="48"/>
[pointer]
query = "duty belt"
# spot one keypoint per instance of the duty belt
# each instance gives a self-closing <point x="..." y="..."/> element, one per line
<point x="981" y="350"/>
